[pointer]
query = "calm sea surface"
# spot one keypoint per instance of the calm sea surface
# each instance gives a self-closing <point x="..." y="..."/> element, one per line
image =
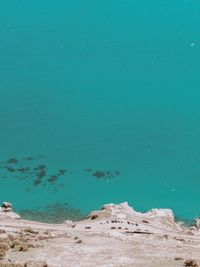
<point x="99" y="103"/>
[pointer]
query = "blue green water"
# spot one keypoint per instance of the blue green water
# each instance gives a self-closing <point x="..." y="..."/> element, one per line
<point x="107" y="85"/>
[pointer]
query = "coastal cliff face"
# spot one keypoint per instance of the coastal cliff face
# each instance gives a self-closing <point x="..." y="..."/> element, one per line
<point x="116" y="235"/>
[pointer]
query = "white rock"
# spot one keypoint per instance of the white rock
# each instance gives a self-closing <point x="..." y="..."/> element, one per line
<point x="6" y="212"/>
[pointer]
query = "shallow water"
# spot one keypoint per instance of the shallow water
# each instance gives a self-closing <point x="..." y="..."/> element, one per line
<point x="111" y="86"/>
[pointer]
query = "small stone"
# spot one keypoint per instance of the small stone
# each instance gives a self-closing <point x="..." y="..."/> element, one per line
<point x="23" y="247"/>
<point x="191" y="263"/>
<point x="19" y="245"/>
<point x="145" y="221"/>
<point x="6" y="206"/>
<point x="31" y="231"/>
<point x="4" y="245"/>
<point x="178" y="258"/>
<point x="2" y="252"/>
<point x="94" y="216"/>
<point x="36" y="264"/>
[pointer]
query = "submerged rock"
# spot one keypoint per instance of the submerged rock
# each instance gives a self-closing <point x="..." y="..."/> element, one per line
<point x="104" y="174"/>
<point x="12" y="160"/>
<point x="150" y="238"/>
<point x="57" y="213"/>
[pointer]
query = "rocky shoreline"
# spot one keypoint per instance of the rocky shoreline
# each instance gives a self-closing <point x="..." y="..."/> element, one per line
<point x="115" y="236"/>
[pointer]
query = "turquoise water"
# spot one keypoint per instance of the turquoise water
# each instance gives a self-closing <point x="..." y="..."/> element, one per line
<point x="111" y="86"/>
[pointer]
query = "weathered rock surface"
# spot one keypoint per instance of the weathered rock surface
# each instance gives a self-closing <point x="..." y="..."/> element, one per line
<point x="115" y="236"/>
<point x="6" y="211"/>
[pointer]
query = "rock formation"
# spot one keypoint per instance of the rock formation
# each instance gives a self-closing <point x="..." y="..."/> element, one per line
<point x="115" y="236"/>
<point x="6" y="211"/>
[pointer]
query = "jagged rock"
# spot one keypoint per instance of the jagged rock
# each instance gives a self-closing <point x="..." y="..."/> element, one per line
<point x="197" y="223"/>
<point x="31" y="231"/>
<point x="153" y="233"/>
<point x="191" y="263"/>
<point x="2" y="252"/>
<point x="19" y="245"/>
<point x="6" y="212"/>
<point x="69" y="223"/>
<point x="6" y="206"/>
<point x="94" y="216"/>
